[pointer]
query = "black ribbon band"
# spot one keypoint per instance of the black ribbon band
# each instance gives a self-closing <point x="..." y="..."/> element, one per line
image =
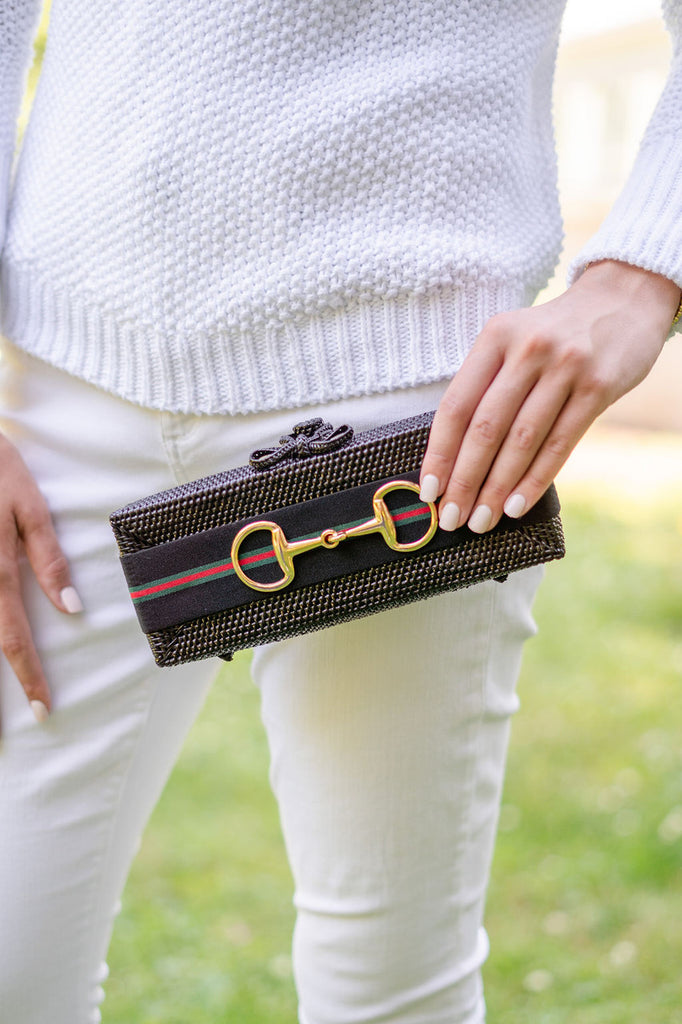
<point x="191" y="577"/>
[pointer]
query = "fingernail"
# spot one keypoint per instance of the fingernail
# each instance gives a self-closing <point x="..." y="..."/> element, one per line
<point x="429" y="488"/>
<point x="515" y="506"/>
<point x="449" y="516"/>
<point x="71" y="600"/>
<point x="480" y="519"/>
<point x="39" y="710"/>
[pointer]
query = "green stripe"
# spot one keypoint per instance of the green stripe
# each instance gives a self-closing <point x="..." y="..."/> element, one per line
<point x="230" y="571"/>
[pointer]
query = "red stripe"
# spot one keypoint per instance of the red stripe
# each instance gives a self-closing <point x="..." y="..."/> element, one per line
<point x="410" y="513"/>
<point x="185" y="579"/>
<point x="227" y="566"/>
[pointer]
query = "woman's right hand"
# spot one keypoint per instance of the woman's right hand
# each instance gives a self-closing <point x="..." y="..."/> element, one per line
<point x="25" y="522"/>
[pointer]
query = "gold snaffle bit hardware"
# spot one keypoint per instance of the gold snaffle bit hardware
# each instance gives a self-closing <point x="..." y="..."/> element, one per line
<point x="285" y="551"/>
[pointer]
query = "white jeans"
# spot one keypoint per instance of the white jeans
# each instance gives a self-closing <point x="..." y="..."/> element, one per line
<point x="387" y="736"/>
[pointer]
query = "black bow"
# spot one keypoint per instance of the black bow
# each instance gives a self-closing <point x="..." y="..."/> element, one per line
<point x="312" y="437"/>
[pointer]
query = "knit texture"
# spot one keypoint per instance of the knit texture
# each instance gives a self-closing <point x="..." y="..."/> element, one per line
<point x="230" y="207"/>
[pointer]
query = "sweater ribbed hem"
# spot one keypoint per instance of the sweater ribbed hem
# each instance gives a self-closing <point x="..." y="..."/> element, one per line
<point x="376" y="346"/>
<point x="644" y="227"/>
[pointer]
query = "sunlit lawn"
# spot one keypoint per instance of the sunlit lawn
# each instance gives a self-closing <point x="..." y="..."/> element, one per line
<point x="585" y="908"/>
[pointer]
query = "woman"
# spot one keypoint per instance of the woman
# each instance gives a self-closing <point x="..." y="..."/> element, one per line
<point x="226" y="218"/>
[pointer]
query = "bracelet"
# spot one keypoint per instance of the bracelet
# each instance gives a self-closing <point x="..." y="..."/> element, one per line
<point x="678" y="315"/>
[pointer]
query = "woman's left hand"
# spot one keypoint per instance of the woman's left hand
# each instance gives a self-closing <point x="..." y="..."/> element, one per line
<point x="534" y="381"/>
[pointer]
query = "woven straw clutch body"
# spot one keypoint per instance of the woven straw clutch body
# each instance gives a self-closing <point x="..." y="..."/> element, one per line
<point x="322" y="528"/>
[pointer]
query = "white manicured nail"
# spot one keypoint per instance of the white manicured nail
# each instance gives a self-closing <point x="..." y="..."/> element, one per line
<point x="480" y="519"/>
<point x="429" y="488"/>
<point x="71" y="600"/>
<point x="515" y="506"/>
<point x="449" y="516"/>
<point x="39" y="710"/>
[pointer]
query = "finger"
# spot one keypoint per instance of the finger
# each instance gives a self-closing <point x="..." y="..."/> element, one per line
<point x="17" y="644"/>
<point x="483" y="439"/>
<point x="574" y="419"/>
<point x="48" y="561"/>
<point x="517" y="452"/>
<point x="452" y="417"/>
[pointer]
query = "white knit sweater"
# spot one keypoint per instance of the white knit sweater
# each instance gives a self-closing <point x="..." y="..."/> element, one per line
<point x="225" y="206"/>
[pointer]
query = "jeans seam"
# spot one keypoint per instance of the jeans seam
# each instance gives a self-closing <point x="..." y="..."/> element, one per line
<point x="171" y="430"/>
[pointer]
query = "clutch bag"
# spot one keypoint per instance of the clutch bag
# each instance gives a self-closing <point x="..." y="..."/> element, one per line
<point x="321" y="528"/>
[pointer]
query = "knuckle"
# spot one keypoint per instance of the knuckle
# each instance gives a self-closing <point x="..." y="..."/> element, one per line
<point x="537" y="484"/>
<point x="558" y="445"/>
<point x="34" y="517"/>
<point x="524" y="436"/>
<point x="538" y="346"/>
<point x="486" y="431"/>
<point x="460" y="484"/>
<point x="13" y="645"/>
<point x="495" y="493"/>
<point x="496" y="327"/>
<point x="574" y="359"/>
<point x="437" y="459"/>
<point x="594" y="386"/>
<point x="451" y="407"/>
<point x="56" y="569"/>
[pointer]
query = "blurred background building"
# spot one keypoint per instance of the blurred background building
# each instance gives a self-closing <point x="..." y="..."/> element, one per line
<point x="612" y="65"/>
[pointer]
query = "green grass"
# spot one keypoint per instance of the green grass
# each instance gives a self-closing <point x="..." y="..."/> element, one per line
<point x="587" y="885"/>
<point x="585" y="905"/>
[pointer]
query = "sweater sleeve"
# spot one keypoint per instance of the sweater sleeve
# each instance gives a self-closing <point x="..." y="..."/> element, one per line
<point x="644" y="227"/>
<point x="18" y="24"/>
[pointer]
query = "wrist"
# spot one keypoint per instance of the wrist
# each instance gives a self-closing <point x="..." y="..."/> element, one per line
<point x="638" y="286"/>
